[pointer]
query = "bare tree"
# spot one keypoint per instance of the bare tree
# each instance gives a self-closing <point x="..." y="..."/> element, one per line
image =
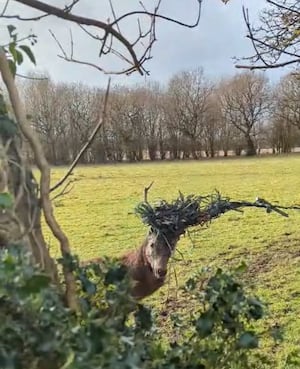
<point x="189" y="92"/>
<point x="83" y="106"/>
<point x="287" y="99"/>
<point x="276" y="41"/>
<point x="152" y="118"/>
<point x="245" y="103"/>
<point x="46" y="106"/>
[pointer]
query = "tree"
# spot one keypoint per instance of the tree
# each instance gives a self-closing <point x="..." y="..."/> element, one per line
<point x="245" y="102"/>
<point x="276" y="41"/>
<point x="287" y="100"/>
<point x="47" y="108"/>
<point x="189" y="95"/>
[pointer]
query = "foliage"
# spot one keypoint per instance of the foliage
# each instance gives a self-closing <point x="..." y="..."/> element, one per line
<point x="16" y="51"/>
<point x="38" y="331"/>
<point x="8" y="127"/>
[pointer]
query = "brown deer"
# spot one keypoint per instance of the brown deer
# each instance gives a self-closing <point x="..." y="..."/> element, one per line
<point x="148" y="265"/>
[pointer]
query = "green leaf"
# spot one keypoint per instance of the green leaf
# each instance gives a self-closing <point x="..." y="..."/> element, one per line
<point x="29" y="53"/>
<point x="36" y="283"/>
<point x="115" y="275"/>
<point x="242" y="268"/>
<point x="248" y="340"/>
<point x="12" y="67"/>
<point x="8" y="128"/>
<point x="11" y="29"/>
<point x="19" y="57"/>
<point x="12" y="50"/>
<point x="143" y="317"/>
<point x="204" y="325"/>
<point x="6" y="200"/>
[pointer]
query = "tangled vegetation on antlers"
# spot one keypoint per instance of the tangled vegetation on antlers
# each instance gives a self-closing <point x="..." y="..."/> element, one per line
<point x="187" y="211"/>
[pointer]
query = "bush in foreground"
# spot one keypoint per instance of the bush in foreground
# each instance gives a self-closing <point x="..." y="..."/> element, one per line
<point x="113" y="331"/>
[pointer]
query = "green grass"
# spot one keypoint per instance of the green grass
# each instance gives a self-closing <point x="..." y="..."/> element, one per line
<point x="97" y="216"/>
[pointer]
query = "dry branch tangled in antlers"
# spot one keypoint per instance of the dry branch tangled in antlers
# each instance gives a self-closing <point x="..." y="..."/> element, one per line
<point x="176" y="216"/>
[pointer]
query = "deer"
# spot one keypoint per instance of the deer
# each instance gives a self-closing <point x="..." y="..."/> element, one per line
<point x="147" y="265"/>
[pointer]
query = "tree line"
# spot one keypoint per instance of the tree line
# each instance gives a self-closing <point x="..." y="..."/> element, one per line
<point x="188" y="117"/>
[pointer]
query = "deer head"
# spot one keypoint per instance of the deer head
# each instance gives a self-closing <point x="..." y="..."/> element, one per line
<point x="158" y="250"/>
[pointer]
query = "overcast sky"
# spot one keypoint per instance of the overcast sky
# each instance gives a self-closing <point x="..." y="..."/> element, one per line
<point x="212" y="45"/>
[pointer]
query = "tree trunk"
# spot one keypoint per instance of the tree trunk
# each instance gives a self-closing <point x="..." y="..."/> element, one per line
<point x="251" y="151"/>
<point x="22" y="224"/>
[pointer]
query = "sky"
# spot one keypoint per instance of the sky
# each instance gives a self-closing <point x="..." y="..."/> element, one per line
<point x="220" y="36"/>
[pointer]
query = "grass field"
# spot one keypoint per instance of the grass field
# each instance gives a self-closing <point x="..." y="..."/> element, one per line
<point x="97" y="216"/>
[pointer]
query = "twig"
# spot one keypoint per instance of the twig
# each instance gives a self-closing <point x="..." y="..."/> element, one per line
<point x="4" y="8"/>
<point x="32" y="78"/>
<point x="66" y="190"/>
<point x="44" y="168"/>
<point x="146" y="190"/>
<point x="89" y="141"/>
<point x="268" y="66"/>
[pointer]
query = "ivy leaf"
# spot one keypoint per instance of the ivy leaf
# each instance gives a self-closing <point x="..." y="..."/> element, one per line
<point x="28" y="52"/>
<point x="19" y="57"/>
<point x="13" y="51"/>
<point x="143" y="317"/>
<point x="11" y="29"/>
<point x="115" y="275"/>
<point x="6" y="200"/>
<point x="248" y="340"/>
<point x="242" y="268"/>
<point x="36" y="283"/>
<point x="12" y="67"/>
<point x="8" y="128"/>
<point x="204" y="325"/>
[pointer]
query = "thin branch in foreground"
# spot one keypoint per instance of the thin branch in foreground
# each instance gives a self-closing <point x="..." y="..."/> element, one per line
<point x="88" y="142"/>
<point x="65" y="191"/>
<point x="264" y="46"/>
<point x="268" y="66"/>
<point x="43" y="166"/>
<point x="112" y="30"/>
<point x="4" y="8"/>
<point x="32" y="78"/>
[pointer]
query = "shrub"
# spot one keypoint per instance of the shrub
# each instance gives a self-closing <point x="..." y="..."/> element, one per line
<point x="114" y="331"/>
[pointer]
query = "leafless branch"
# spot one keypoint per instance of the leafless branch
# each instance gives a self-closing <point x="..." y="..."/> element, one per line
<point x="4" y="8"/>
<point x="114" y="15"/>
<point x="277" y="4"/>
<point x="18" y="17"/>
<point x="70" y="7"/>
<point x="146" y="190"/>
<point x="89" y="141"/>
<point x="32" y="78"/>
<point x="66" y="190"/>
<point x="112" y="31"/>
<point x="268" y="66"/>
<point x="277" y="36"/>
